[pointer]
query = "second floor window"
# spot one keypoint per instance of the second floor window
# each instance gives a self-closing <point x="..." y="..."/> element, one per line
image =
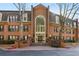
<point x="56" y="29"/>
<point x="25" y="28"/>
<point x="1" y="27"/>
<point x="13" y="28"/>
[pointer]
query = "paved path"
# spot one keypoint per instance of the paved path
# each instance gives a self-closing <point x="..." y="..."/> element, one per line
<point x="36" y="48"/>
<point x="41" y="51"/>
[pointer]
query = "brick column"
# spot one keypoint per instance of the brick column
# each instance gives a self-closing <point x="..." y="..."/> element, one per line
<point x="76" y="29"/>
<point x="5" y="31"/>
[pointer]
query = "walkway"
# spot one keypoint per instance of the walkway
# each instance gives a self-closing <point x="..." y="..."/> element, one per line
<point x="41" y="51"/>
<point x="35" y="48"/>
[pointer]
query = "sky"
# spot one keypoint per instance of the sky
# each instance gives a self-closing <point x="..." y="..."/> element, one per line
<point x="10" y="6"/>
<point x="52" y="7"/>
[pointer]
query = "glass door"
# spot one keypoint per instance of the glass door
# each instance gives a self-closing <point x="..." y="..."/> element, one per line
<point x="40" y="39"/>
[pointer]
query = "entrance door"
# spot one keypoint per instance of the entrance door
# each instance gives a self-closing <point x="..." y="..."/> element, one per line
<point x="40" y="39"/>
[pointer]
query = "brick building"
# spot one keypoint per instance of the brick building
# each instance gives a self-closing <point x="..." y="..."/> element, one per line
<point x="38" y="25"/>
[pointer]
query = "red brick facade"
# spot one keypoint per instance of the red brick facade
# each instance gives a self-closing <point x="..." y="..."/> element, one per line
<point x="50" y="26"/>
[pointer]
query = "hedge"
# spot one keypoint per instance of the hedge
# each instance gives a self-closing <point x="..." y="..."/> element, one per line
<point x="7" y="41"/>
<point x="71" y="41"/>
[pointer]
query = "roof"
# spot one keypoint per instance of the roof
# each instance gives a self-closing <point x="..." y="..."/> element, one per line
<point x="40" y="5"/>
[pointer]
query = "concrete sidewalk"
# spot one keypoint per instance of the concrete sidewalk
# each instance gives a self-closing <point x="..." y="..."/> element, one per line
<point x="37" y="48"/>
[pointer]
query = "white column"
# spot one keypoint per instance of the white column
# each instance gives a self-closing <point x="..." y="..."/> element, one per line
<point x="36" y="41"/>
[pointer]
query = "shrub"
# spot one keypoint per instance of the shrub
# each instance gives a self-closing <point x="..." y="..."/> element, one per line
<point x="70" y="41"/>
<point x="10" y="41"/>
<point x="7" y="41"/>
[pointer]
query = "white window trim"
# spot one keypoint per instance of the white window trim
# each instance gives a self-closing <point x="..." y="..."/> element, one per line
<point x="26" y="16"/>
<point x="25" y="37"/>
<point x="0" y="17"/>
<point x="57" y="19"/>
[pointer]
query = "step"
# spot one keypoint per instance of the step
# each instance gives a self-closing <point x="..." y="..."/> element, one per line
<point x="38" y="44"/>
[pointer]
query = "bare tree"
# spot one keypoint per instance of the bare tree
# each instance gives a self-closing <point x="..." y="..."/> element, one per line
<point x="66" y="11"/>
<point x="21" y="8"/>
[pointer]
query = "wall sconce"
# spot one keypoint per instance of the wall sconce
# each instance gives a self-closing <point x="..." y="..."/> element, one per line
<point x="29" y="35"/>
<point x="50" y="35"/>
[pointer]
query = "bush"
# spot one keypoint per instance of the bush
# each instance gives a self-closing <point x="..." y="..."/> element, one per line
<point x="7" y="41"/>
<point x="55" y="43"/>
<point x="69" y="41"/>
<point x="10" y="41"/>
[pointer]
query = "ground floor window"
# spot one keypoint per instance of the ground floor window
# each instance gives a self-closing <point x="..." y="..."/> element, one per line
<point x="13" y="37"/>
<point x="6" y="41"/>
<point x="25" y="37"/>
<point x="1" y="37"/>
<point x="1" y="27"/>
<point x="70" y="39"/>
<point x="25" y="28"/>
<point x="57" y="37"/>
<point x="13" y="28"/>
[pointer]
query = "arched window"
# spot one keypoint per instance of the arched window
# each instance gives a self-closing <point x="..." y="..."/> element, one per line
<point x="40" y="24"/>
<point x="40" y="21"/>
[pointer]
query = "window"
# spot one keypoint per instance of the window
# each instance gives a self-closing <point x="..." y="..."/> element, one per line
<point x="63" y="37"/>
<point x="56" y="37"/>
<point x="28" y="17"/>
<point x="73" y="38"/>
<point x="40" y="24"/>
<point x="12" y="18"/>
<point x="1" y="37"/>
<point x="71" y="25"/>
<point x="13" y="37"/>
<point x="68" y="31"/>
<point x="78" y="25"/>
<point x="56" y="29"/>
<point x="17" y="28"/>
<point x="57" y="19"/>
<point x="68" y="38"/>
<point x="25" y="28"/>
<point x="73" y="32"/>
<point x="13" y="28"/>
<point x="25" y="17"/>
<point x="68" y="24"/>
<point x="0" y="16"/>
<point x="25" y="37"/>
<point x="74" y="24"/>
<point x="1" y="27"/>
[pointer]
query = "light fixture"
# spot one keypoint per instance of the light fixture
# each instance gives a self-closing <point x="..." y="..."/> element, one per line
<point x="50" y="35"/>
